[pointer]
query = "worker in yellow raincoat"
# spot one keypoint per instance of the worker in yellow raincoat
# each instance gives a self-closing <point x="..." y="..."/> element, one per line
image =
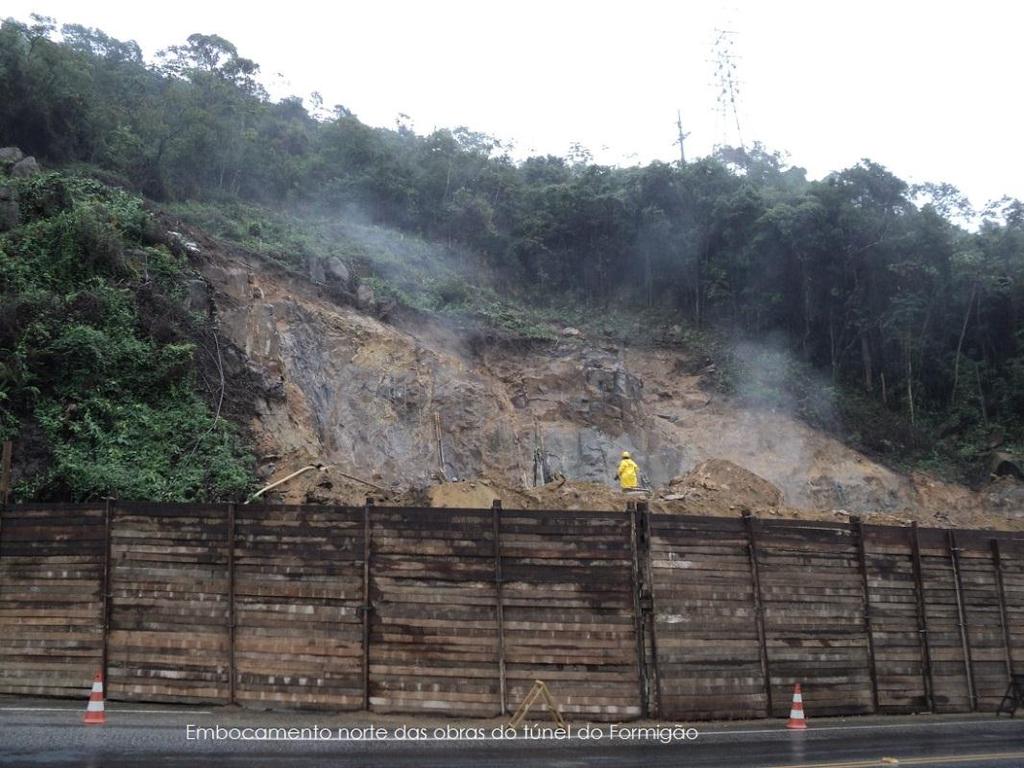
<point x="628" y="474"/>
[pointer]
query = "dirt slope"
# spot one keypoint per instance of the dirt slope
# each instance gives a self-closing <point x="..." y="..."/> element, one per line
<point x="361" y="395"/>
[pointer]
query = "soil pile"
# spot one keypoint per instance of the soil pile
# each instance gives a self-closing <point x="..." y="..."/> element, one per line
<point x="563" y="494"/>
<point x="720" y="487"/>
<point x="463" y="495"/>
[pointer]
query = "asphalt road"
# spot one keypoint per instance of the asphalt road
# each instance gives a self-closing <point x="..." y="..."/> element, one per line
<point x="49" y="734"/>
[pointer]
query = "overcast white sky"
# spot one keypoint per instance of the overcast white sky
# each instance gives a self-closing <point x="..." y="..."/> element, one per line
<point x="930" y="89"/>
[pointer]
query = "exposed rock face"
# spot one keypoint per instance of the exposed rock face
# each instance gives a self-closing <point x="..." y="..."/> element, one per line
<point x="24" y="168"/>
<point x="182" y="245"/>
<point x="365" y="297"/>
<point x="9" y="156"/>
<point x="345" y="389"/>
<point x="336" y="271"/>
<point x="10" y="213"/>
<point x="197" y="298"/>
<point x="357" y="392"/>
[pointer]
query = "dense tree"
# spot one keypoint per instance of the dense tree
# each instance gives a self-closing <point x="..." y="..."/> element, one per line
<point x="874" y="282"/>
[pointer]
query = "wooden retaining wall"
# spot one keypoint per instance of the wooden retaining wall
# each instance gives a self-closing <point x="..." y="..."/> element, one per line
<point x="51" y="598"/>
<point x="402" y="610"/>
<point x="434" y="625"/>
<point x="867" y="618"/>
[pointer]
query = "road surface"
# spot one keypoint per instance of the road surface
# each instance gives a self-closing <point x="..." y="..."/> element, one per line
<point x="48" y="734"/>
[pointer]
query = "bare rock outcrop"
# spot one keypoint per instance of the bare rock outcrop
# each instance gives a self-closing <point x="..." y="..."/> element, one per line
<point x="24" y="168"/>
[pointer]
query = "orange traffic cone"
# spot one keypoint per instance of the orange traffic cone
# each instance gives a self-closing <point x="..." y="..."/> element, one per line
<point x="94" y="714"/>
<point x="796" y="713"/>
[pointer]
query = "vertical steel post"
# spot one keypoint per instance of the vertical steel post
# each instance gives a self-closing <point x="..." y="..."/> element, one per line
<point x="922" y="618"/>
<point x="997" y="564"/>
<point x="499" y="605"/>
<point x="108" y="513"/>
<point x="231" y="603"/>
<point x="648" y="602"/>
<point x="638" y="620"/>
<point x="762" y="638"/>
<point x="965" y="640"/>
<point x="366" y="607"/>
<point x="857" y="528"/>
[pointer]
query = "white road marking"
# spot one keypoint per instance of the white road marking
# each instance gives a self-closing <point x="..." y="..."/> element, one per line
<point x="120" y="711"/>
<point x="879" y="726"/>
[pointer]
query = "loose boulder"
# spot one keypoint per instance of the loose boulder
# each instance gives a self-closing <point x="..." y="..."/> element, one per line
<point x="365" y="297"/>
<point x="336" y="271"/>
<point x="9" y="156"/>
<point x="24" y="168"/>
<point x="182" y="246"/>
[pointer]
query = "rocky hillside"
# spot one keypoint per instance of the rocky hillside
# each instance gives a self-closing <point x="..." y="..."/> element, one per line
<point x="121" y="323"/>
<point x="409" y="314"/>
<point x="378" y="393"/>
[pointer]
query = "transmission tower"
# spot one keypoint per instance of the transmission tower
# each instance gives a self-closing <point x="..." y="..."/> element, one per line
<point x="682" y="137"/>
<point x="727" y="85"/>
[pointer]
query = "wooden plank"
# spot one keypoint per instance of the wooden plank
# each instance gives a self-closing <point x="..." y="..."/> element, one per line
<point x="413" y="641"/>
<point x="298" y="592"/>
<point x="895" y="623"/>
<point x="50" y="603"/>
<point x="169" y="579"/>
<point x="704" y="619"/>
<point x="561" y="560"/>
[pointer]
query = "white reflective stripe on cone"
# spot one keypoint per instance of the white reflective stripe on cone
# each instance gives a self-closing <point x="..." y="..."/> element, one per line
<point x="94" y="706"/>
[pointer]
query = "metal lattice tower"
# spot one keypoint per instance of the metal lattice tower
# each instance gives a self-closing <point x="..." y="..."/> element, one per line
<point x="727" y="85"/>
<point x="682" y="137"/>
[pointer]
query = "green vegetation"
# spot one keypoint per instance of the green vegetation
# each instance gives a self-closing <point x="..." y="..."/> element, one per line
<point x="912" y="321"/>
<point x="403" y="268"/>
<point x="95" y="364"/>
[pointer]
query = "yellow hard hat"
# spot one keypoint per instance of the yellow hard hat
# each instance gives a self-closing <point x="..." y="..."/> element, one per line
<point x="625" y="454"/>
